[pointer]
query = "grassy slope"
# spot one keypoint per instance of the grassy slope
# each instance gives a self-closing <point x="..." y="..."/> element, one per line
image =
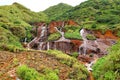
<point x="63" y="65"/>
<point x="57" y="10"/>
<point x="14" y="24"/>
<point x="95" y="14"/>
<point x="108" y="67"/>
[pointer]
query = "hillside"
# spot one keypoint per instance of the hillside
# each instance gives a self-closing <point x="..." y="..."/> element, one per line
<point x="50" y="65"/>
<point x="110" y="71"/>
<point x="15" y="25"/>
<point x="57" y="10"/>
<point x="95" y="14"/>
<point x="62" y="42"/>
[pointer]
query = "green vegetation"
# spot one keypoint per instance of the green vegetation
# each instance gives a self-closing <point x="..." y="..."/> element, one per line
<point x="95" y="14"/>
<point x="111" y="71"/>
<point x="90" y="37"/>
<point x="26" y="73"/>
<point x="15" y="25"/>
<point x="57" y="10"/>
<point x="79" y="72"/>
<point x="72" y="32"/>
<point x="74" y="54"/>
<point x="54" y="36"/>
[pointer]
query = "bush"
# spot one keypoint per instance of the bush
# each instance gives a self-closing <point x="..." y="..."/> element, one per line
<point x="54" y="36"/>
<point x="111" y="71"/>
<point x="72" y="32"/>
<point x="27" y="73"/>
<point x="50" y="74"/>
<point x="75" y="54"/>
<point x="18" y="31"/>
<point x="79" y="72"/>
<point x="90" y="37"/>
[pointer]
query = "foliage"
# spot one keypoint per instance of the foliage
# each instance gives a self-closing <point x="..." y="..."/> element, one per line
<point x="54" y="36"/>
<point x="26" y="73"/>
<point x="72" y="32"/>
<point x="103" y="12"/>
<point x="8" y="41"/>
<point x="15" y="25"/>
<point x="79" y="71"/>
<point x="90" y="37"/>
<point x="74" y="54"/>
<point x="111" y="71"/>
<point x="57" y="10"/>
<point x="18" y="31"/>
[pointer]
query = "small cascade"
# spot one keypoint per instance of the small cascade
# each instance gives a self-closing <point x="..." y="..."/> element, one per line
<point x="39" y="39"/>
<point x="62" y="33"/>
<point x="48" y="45"/>
<point x="25" y="41"/>
<point x="83" y="34"/>
<point x="40" y="47"/>
<point x="43" y="31"/>
<point x="89" y="65"/>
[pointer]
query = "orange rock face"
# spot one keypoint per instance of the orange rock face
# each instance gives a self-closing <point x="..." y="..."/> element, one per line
<point x="76" y="44"/>
<point x="59" y="24"/>
<point x="107" y="35"/>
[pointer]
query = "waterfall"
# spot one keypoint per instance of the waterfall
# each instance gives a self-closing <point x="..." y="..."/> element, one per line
<point x="42" y="35"/>
<point x="89" y="65"/>
<point x="40" y="47"/>
<point x="62" y="33"/>
<point x="48" y="45"/>
<point x="39" y="39"/>
<point x="83" y="34"/>
<point x="25" y="41"/>
<point x="43" y="31"/>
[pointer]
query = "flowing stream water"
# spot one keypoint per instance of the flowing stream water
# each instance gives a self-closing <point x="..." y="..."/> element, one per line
<point x="83" y="34"/>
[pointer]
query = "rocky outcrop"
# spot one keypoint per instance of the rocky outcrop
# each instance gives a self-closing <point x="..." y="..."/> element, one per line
<point x="98" y="46"/>
<point x="54" y="24"/>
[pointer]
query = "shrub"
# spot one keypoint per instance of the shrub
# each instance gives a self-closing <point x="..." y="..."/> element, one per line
<point x="18" y="31"/>
<point x="111" y="71"/>
<point x="72" y="32"/>
<point x="79" y="72"/>
<point x="90" y="37"/>
<point x="54" y="36"/>
<point x="27" y="73"/>
<point x="74" y="54"/>
<point x="50" y="74"/>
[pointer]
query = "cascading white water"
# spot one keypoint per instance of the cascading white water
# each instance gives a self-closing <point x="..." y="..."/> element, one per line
<point x="89" y="65"/>
<point x="83" y="34"/>
<point x="25" y="41"/>
<point x="43" y="31"/>
<point x="40" y="45"/>
<point x="62" y="33"/>
<point x="39" y="38"/>
<point x="42" y="34"/>
<point x="48" y="45"/>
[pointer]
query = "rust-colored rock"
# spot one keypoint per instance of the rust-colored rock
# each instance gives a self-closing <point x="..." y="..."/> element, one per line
<point x="107" y="35"/>
<point x="54" y="24"/>
<point x="76" y="44"/>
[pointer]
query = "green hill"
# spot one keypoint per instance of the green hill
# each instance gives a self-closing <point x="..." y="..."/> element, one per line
<point x="57" y="10"/>
<point x="108" y="67"/>
<point x="95" y="14"/>
<point x="15" y="25"/>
